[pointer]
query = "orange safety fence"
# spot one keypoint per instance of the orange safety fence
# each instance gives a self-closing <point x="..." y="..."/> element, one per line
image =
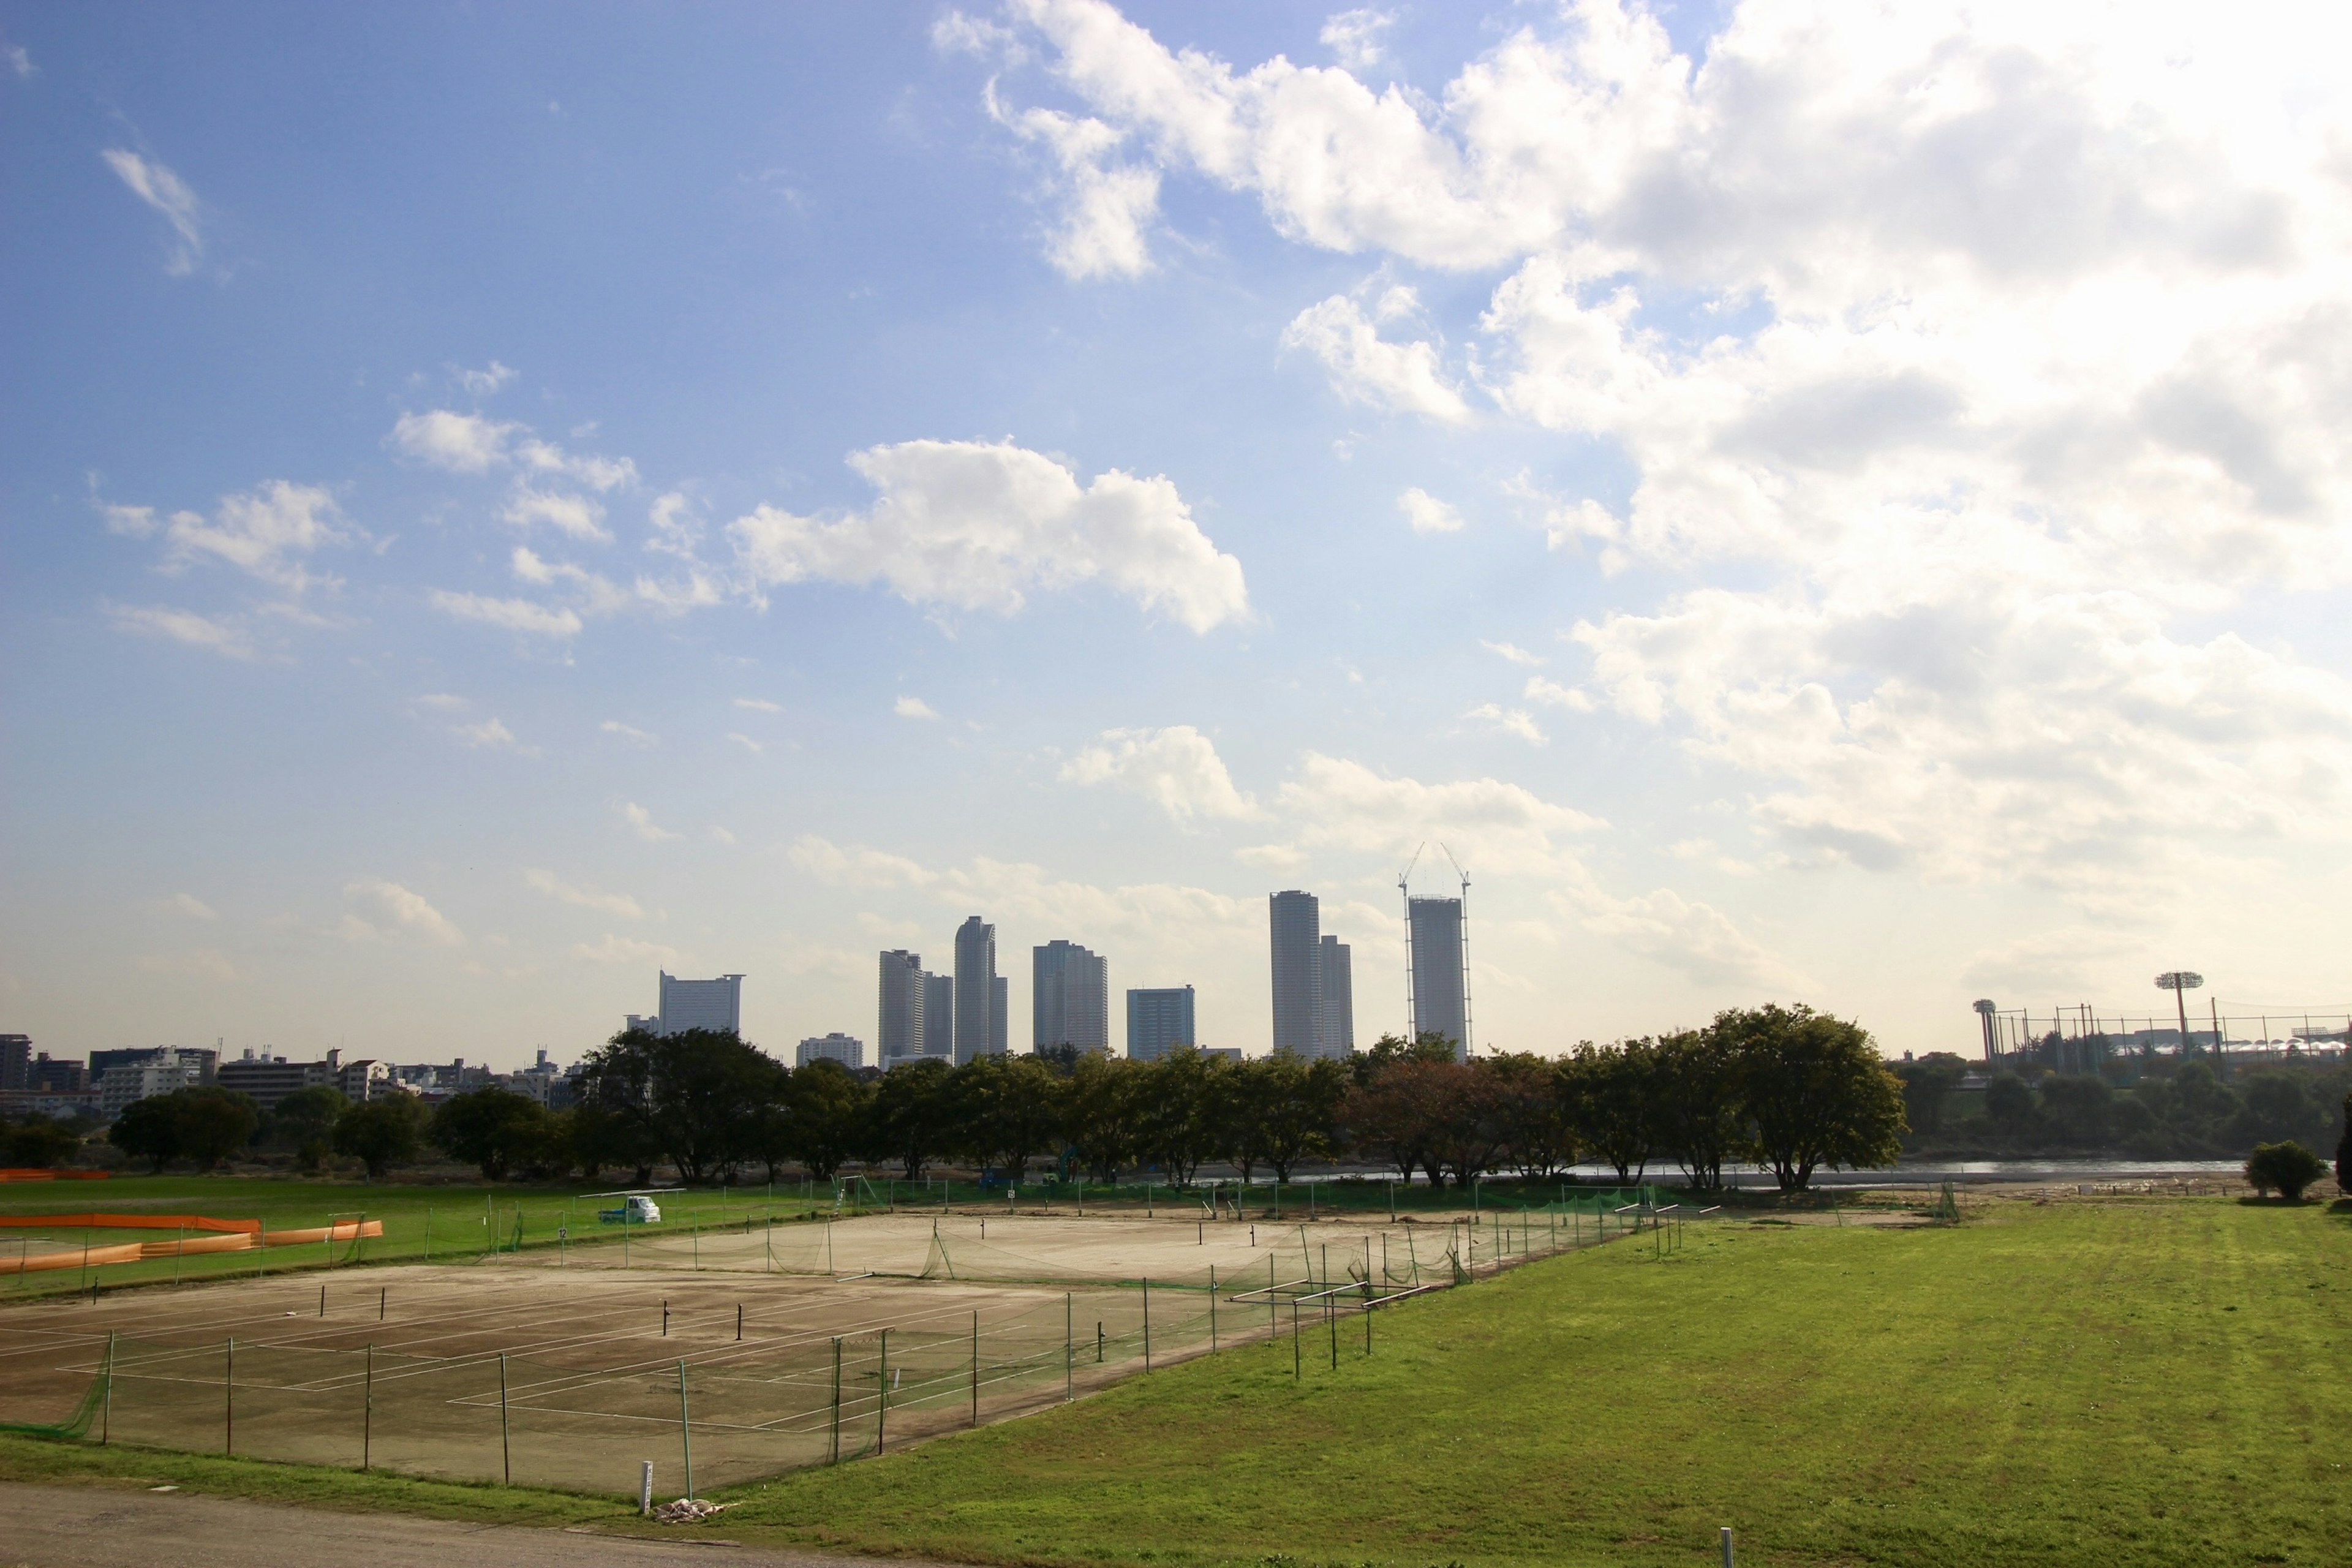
<point x="18" y="1173"/>
<point x="180" y="1246"/>
<point x="342" y="1230"/>
<point x="131" y="1222"/>
<point x="72" y="1257"/>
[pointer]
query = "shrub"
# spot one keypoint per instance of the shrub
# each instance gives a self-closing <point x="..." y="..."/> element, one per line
<point x="2289" y="1167"/>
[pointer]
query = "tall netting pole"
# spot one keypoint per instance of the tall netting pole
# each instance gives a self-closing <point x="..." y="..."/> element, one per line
<point x="882" y="1393"/>
<point x="506" y="1441"/>
<point x="106" y="1418"/>
<point x="367" y="1410"/>
<point x="837" y="1401"/>
<point x="975" y="1369"/>
<point x="1069" y="1344"/>
<point x="228" y="1401"/>
<point x="686" y="1429"/>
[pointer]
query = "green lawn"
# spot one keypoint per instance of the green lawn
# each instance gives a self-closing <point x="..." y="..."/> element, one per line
<point x="2142" y="1382"/>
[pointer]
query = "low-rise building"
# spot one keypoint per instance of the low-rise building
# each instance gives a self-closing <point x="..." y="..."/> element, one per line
<point x="846" y="1049"/>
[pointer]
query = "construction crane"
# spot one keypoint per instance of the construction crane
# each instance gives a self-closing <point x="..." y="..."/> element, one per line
<point x="1404" y="891"/>
<point x="1465" y="878"/>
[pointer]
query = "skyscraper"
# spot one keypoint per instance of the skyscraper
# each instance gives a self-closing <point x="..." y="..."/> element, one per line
<point x="977" y="1008"/>
<point x="1157" y="1021"/>
<point x="1000" y="1013"/>
<point x="1438" y="1005"/>
<point x="1294" y="920"/>
<point x="899" y="1032"/>
<point x="695" y="1004"/>
<point x="1069" y="1000"/>
<point x="938" y="1017"/>
<point x="1335" y="1006"/>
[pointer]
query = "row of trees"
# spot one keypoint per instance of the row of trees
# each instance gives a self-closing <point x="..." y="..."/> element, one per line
<point x="1795" y="1090"/>
<point x="2184" y="1111"/>
<point x="208" y="1126"/>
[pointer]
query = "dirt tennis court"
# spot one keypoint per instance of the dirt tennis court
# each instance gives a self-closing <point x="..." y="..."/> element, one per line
<point x="784" y="1347"/>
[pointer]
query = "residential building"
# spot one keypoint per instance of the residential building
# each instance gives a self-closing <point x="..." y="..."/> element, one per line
<point x="846" y="1049"/>
<point x="64" y="1104"/>
<point x="1334" y="1002"/>
<point x="977" y="1011"/>
<point x="125" y="1084"/>
<point x="695" y="1004"/>
<point x="1157" y="1021"/>
<point x="1293" y="921"/>
<point x="1069" y="1001"/>
<point x="1440" y="994"/>
<point x="938" y="1017"/>
<point x="43" y="1075"/>
<point x="270" y="1079"/>
<point x="542" y="1081"/>
<point x="199" y="1061"/>
<point x="898" y="1033"/>
<point x="16" y="1061"/>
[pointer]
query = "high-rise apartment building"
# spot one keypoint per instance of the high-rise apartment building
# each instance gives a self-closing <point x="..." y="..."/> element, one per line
<point x="898" y="1029"/>
<point x="1157" y="1021"/>
<point x="1069" y="1000"/>
<point x="846" y="1049"/>
<point x="999" y="1014"/>
<point x="978" y="1031"/>
<point x="15" y="1060"/>
<point x="695" y="1005"/>
<point x="938" y="1017"/>
<point x="1335" y="1004"/>
<point x="1295" y="921"/>
<point x="1440" y="993"/>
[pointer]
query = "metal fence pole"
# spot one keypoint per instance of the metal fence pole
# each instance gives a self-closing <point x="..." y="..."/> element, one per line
<point x="505" y="1442"/>
<point x="228" y="1401"/>
<point x="1070" y="1347"/>
<point x="837" y="1401"/>
<point x="367" y="1410"/>
<point x="106" y="1418"/>
<point x="882" y="1393"/>
<point x="975" y="1369"/>
<point x="686" y="1429"/>
<point x="1212" y="1309"/>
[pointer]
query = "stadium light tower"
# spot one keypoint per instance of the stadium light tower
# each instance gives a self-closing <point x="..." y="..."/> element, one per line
<point x="2181" y="982"/>
<point x="1985" y="1011"/>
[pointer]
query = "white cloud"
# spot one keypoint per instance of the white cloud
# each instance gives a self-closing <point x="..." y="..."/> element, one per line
<point x="641" y="823"/>
<point x="854" y="865"/>
<point x="1511" y="721"/>
<point x="186" y="904"/>
<point x="1177" y="769"/>
<point x="483" y="383"/>
<point x="1367" y="368"/>
<point x="512" y="615"/>
<point x="1513" y="652"/>
<point x="1344" y="804"/>
<point x="489" y="733"/>
<point x="1354" y="37"/>
<point x="196" y="963"/>
<point x="720" y="836"/>
<point x="1428" y="514"/>
<point x="759" y="705"/>
<point x="978" y="525"/>
<point x="555" y="888"/>
<point x="460" y="443"/>
<point x="169" y="194"/>
<point x="629" y="950"/>
<point x="265" y="532"/>
<point x="629" y="733"/>
<point x="912" y="706"/>
<point x="578" y="516"/>
<point x="1697" y="941"/>
<point x="20" y="62"/>
<point x="1107" y="204"/>
<point x="746" y="741"/>
<point x="441" y="701"/>
<point x="1539" y="689"/>
<point x="405" y="910"/>
<point x="220" y="637"/>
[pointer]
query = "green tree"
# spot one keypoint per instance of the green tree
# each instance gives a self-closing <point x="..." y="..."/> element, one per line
<point x="1701" y="1118"/>
<point x="2077" y="1108"/>
<point x="1175" y="1104"/>
<point x="1472" y="1132"/>
<point x="2279" y="1105"/>
<point x="2289" y="1167"/>
<point x="2344" y="1151"/>
<point x="1098" y="1103"/>
<point x="1295" y="1106"/>
<point x="1816" y="1091"/>
<point x="147" y="1130"/>
<point x="830" y="1120"/>
<point x="494" y="1129"/>
<point x="694" y="1095"/>
<point x="1006" y="1112"/>
<point x="1611" y="1097"/>
<point x="212" y="1123"/>
<point x="1429" y="1045"/>
<point x="1928" y="1084"/>
<point x="1394" y="1112"/>
<point x="1537" y="1137"/>
<point x="914" y="1114"/>
<point x="2009" y="1105"/>
<point x="382" y="1134"/>
<point x="304" y="1122"/>
<point x="39" y="1143"/>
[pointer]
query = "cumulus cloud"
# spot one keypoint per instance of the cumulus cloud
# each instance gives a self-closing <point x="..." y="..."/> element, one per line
<point x="266" y="532"/>
<point x="169" y="194"/>
<point x="402" y="910"/>
<point x="1177" y="769"/>
<point x="579" y="516"/>
<point x="1354" y="37"/>
<point x="1367" y="368"/>
<point x="485" y="382"/>
<point x="978" y="525"/>
<point x="1510" y="721"/>
<point x="912" y="706"/>
<point x="1697" y="941"/>
<point x="1341" y="803"/>
<point x="854" y="865"/>
<point x="641" y="823"/>
<point x="759" y="705"/>
<point x="1428" y="514"/>
<point x="462" y="442"/>
<point x="629" y="950"/>
<point x="1513" y="652"/>
<point x="214" y="636"/>
<point x="555" y="888"/>
<point x="509" y="614"/>
<point x="1540" y="690"/>
<point x="1107" y="204"/>
<point x="489" y="733"/>
<point x="188" y="905"/>
<point x="628" y="732"/>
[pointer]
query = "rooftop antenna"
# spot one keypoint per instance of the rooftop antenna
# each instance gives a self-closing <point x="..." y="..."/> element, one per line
<point x="1465" y="878"/>
<point x="1404" y="891"/>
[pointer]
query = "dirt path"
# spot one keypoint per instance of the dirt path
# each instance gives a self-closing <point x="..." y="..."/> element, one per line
<point x="95" y="1526"/>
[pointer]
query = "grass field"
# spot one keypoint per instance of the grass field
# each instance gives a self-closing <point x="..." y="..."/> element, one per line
<point x="2088" y="1381"/>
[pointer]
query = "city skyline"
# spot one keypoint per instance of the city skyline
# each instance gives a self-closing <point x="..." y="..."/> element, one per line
<point x="1837" y="508"/>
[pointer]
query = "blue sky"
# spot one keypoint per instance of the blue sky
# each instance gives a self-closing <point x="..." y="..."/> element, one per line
<point x="500" y="500"/>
